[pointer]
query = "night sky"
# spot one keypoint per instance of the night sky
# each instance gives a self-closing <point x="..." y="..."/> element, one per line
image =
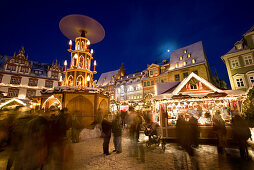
<point x="137" y="32"/>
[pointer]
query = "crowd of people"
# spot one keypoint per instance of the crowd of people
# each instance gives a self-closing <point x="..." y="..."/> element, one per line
<point x="188" y="133"/>
<point x="37" y="139"/>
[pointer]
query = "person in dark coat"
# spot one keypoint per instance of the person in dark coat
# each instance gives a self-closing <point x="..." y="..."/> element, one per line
<point x="241" y="133"/>
<point x="106" y="134"/>
<point x="180" y="129"/>
<point x="138" y="128"/>
<point x="117" y="133"/>
<point x="194" y="131"/>
<point x="220" y="130"/>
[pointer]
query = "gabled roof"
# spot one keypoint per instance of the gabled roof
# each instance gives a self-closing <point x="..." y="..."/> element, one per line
<point x="107" y="77"/>
<point x="196" y="50"/>
<point x="166" y="87"/>
<point x="193" y="75"/>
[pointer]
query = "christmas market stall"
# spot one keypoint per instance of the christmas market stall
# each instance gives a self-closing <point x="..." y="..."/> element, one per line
<point x="194" y="96"/>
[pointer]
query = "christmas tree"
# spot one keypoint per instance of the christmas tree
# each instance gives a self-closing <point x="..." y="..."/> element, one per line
<point x="248" y="108"/>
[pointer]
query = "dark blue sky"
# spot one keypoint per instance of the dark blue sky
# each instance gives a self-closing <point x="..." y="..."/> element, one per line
<point x="137" y="32"/>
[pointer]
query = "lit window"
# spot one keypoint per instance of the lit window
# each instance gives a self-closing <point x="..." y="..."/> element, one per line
<point x="151" y="73"/>
<point x="188" y="55"/>
<point x="133" y="75"/>
<point x="177" y="77"/>
<point x="155" y="72"/>
<point x="234" y="63"/>
<point x="184" y="63"/>
<point x="30" y="93"/>
<point x="239" y="82"/>
<point x="181" y="58"/>
<point x="248" y="60"/>
<point x="193" y="61"/>
<point x="176" y="65"/>
<point x="185" y="51"/>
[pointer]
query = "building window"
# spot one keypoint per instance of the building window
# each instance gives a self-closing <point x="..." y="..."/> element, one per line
<point x="13" y="92"/>
<point x="151" y="73"/>
<point x="248" y="60"/>
<point x="156" y="80"/>
<point x="251" y="79"/>
<point x="49" y="84"/>
<point x="24" y="69"/>
<point x="234" y="63"/>
<point x="196" y="72"/>
<point x="188" y="55"/>
<point x="54" y="75"/>
<point x="184" y="63"/>
<point x="181" y="58"/>
<point x="239" y="82"/>
<point x="15" y="80"/>
<point x="239" y="46"/>
<point x="11" y="68"/>
<point x="193" y="87"/>
<point x="185" y="51"/>
<point x="148" y="83"/>
<point x="152" y="82"/>
<point x="155" y="72"/>
<point x="30" y="93"/>
<point x="144" y="83"/>
<point x="193" y="61"/>
<point x="185" y="74"/>
<point x="33" y="82"/>
<point x="177" y="77"/>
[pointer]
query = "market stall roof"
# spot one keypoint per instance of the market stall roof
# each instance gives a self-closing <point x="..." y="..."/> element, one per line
<point x="202" y="80"/>
<point x="166" y="87"/>
<point x="171" y="90"/>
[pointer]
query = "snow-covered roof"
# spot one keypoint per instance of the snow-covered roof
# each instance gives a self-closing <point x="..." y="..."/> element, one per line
<point x="165" y="87"/>
<point x="107" y="78"/>
<point x="234" y="92"/>
<point x="196" y="51"/>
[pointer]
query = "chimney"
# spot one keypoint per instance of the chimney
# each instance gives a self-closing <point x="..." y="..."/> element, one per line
<point x="155" y="62"/>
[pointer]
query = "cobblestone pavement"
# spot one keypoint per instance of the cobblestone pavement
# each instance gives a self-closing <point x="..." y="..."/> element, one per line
<point x="88" y="155"/>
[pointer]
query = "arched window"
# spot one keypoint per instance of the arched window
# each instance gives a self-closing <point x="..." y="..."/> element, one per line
<point x="81" y="62"/>
<point x="80" y="81"/>
<point x="88" y="64"/>
<point x="82" y="45"/>
<point x="77" y="46"/>
<point x="70" y="80"/>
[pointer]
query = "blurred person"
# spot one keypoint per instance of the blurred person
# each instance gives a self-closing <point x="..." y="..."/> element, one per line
<point x="132" y="124"/>
<point x="123" y="115"/>
<point x="106" y="126"/>
<point x="241" y="133"/>
<point x="60" y="150"/>
<point x="180" y="129"/>
<point x="138" y="125"/>
<point x="76" y="128"/>
<point x="194" y="130"/>
<point x="117" y="133"/>
<point x="220" y="130"/>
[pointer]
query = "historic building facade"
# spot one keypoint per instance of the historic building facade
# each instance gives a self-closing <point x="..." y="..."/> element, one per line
<point x="21" y="78"/>
<point x="189" y="59"/>
<point x="129" y="88"/>
<point x="107" y="81"/>
<point x="155" y="73"/>
<point x="239" y="62"/>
